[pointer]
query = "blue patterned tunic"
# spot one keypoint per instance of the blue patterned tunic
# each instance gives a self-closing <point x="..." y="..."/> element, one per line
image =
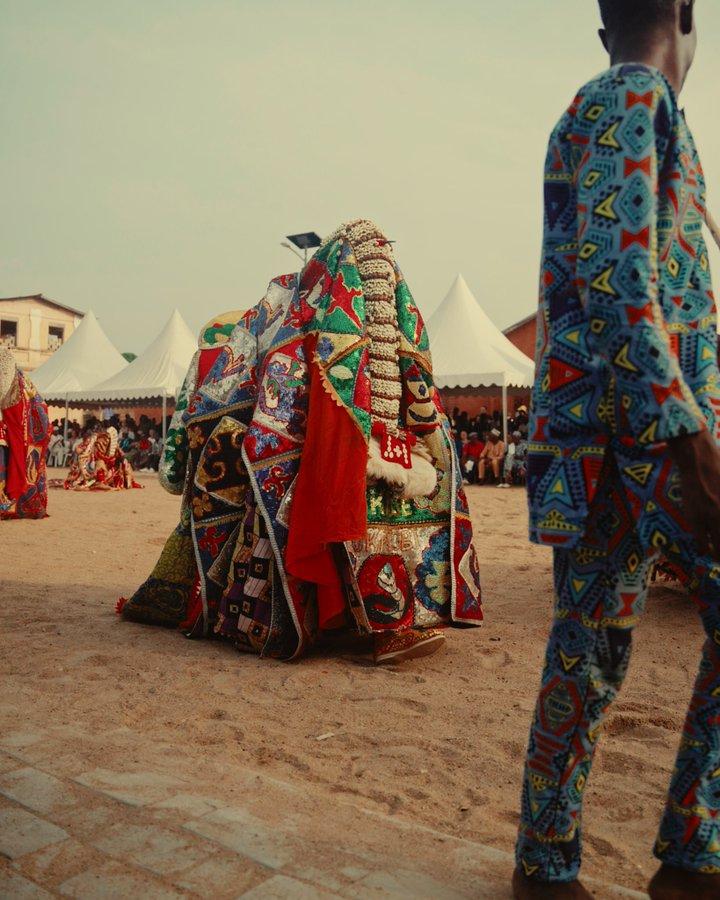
<point x="627" y="335"/>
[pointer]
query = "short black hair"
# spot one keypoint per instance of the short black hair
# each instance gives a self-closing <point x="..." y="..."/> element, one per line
<point x="634" y="16"/>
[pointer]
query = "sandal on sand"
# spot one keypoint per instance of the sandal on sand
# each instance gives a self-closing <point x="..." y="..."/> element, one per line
<point x="411" y="644"/>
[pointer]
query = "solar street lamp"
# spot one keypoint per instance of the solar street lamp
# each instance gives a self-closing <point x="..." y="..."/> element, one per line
<point x="306" y="241"/>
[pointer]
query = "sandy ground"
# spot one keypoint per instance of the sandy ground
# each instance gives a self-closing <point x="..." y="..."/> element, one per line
<point x="439" y="741"/>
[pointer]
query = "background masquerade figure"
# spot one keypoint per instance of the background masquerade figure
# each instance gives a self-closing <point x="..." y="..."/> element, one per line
<point x="24" y="436"/>
<point x="100" y="465"/>
<point x="320" y="485"/>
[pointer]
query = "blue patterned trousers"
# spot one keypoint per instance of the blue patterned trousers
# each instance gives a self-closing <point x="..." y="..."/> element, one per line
<point x="600" y="591"/>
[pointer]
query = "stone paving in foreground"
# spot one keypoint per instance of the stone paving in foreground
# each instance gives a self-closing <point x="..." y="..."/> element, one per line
<point x="67" y="830"/>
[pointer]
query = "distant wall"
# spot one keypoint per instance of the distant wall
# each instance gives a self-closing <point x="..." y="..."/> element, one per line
<point x="523" y="336"/>
<point x="472" y="401"/>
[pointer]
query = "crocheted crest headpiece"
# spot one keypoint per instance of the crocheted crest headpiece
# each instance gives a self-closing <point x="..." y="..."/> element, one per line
<point x="8" y="379"/>
<point x="395" y="454"/>
<point x="376" y="266"/>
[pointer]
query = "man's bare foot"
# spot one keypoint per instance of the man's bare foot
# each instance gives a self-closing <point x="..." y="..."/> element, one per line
<point x="525" y="888"/>
<point x="671" y="883"/>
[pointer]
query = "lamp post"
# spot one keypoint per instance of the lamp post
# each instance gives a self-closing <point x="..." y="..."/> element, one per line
<point x="293" y="250"/>
<point x="305" y="241"/>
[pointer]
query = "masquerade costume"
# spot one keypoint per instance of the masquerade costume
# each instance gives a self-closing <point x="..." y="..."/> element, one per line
<point x="24" y="438"/>
<point x="320" y="488"/>
<point x="100" y="465"/>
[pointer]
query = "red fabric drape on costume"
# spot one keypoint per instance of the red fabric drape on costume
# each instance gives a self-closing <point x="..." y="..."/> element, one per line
<point x="329" y="504"/>
<point x="17" y="438"/>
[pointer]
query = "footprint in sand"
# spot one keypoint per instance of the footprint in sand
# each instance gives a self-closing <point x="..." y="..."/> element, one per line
<point x="641" y="728"/>
<point x="665" y="722"/>
<point x="619" y="763"/>
<point x="494" y="659"/>
<point x="603" y="848"/>
<point x="511" y="816"/>
<point x="415" y="794"/>
<point x="623" y="724"/>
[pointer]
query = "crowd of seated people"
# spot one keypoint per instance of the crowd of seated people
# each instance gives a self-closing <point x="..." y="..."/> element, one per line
<point x="140" y="441"/>
<point x="484" y="457"/>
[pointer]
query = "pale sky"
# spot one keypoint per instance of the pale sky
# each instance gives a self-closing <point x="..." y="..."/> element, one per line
<point x="155" y="153"/>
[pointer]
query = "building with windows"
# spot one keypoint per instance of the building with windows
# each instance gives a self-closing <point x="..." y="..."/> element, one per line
<point x="34" y="327"/>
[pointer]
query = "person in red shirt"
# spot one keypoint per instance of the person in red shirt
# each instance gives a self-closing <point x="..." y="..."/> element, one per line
<point x="471" y="457"/>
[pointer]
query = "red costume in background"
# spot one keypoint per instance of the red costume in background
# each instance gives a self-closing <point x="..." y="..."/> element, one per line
<point x="24" y="438"/>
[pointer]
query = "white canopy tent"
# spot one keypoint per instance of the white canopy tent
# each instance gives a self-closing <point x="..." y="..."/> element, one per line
<point x="87" y="357"/>
<point x="469" y="351"/>
<point x="158" y="372"/>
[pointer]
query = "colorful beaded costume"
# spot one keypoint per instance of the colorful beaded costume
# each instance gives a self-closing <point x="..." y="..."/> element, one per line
<point x="320" y="485"/>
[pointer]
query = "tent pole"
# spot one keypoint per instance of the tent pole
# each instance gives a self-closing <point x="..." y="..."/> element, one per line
<point x="504" y="406"/>
<point x="164" y="418"/>
<point x="67" y="413"/>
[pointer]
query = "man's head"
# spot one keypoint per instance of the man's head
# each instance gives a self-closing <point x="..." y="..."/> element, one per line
<point x="494" y="436"/>
<point x="634" y="29"/>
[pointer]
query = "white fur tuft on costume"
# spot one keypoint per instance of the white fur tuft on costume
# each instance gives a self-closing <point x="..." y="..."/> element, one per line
<point x="418" y="481"/>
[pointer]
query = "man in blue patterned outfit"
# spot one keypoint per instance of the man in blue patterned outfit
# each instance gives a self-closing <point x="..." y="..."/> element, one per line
<point x="624" y="467"/>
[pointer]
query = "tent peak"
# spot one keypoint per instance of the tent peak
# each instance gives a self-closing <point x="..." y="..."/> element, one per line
<point x="468" y="349"/>
<point x="459" y="283"/>
<point x="460" y="296"/>
<point x="87" y="355"/>
<point x="158" y="371"/>
<point x="176" y="318"/>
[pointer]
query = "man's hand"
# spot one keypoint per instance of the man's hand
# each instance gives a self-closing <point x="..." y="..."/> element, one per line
<point x="698" y="458"/>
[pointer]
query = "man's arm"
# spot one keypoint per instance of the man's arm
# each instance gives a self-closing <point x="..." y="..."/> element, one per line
<point x="617" y="190"/>
<point x="618" y="259"/>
